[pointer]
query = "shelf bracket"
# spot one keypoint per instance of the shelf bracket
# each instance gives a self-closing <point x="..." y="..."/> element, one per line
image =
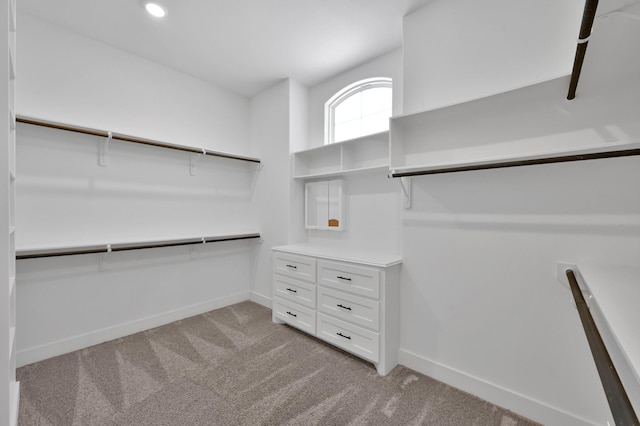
<point x="405" y="183"/>
<point x="193" y="163"/>
<point x="103" y="258"/>
<point x="192" y="249"/>
<point x="103" y="150"/>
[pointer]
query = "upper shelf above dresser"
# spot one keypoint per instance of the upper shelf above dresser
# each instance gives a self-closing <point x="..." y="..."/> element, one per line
<point x="364" y="154"/>
<point x="522" y="126"/>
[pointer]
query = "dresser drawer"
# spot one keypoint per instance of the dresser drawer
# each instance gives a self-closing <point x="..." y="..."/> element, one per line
<point x="354" y="279"/>
<point x="300" y="267"/>
<point x="294" y="290"/>
<point x="349" y="337"/>
<point x="295" y="315"/>
<point x="358" y="310"/>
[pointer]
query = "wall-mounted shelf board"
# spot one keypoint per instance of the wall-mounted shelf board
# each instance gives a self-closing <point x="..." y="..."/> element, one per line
<point x="620" y="149"/>
<point x="133" y="139"/>
<point x="613" y="295"/>
<point x="361" y="155"/>
<point x="32" y="253"/>
<point x="529" y="123"/>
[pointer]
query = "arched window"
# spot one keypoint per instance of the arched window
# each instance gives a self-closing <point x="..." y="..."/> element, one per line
<point x="360" y="109"/>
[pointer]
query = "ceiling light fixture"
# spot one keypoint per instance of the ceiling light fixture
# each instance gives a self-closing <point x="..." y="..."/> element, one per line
<point x="155" y="9"/>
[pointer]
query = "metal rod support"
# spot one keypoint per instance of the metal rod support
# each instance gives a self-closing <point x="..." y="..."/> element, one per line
<point x="134" y="139"/>
<point x="621" y="408"/>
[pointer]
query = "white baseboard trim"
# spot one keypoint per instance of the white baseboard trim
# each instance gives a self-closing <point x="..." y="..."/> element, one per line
<point x="60" y="347"/>
<point x="261" y="299"/>
<point x="505" y="398"/>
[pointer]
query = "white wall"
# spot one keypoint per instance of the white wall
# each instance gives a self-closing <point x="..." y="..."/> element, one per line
<point x="270" y="127"/>
<point x="145" y="193"/>
<point x="388" y="65"/>
<point x="481" y="306"/>
<point x="459" y="50"/>
<point x="72" y="79"/>
<point x="372" y="201"/>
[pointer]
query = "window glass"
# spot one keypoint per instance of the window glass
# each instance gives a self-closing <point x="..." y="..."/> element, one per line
<point x="358" y="110"/>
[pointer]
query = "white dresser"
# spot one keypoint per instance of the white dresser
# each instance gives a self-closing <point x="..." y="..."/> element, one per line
<point x="349" y="299"/>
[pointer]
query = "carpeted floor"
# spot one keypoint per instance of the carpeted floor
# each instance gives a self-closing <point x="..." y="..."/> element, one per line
<point x="233" y="366"/>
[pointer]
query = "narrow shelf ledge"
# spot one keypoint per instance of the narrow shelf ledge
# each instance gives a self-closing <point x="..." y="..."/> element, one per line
<point x="133" y="139"/>
<point x="364" y="170"/>
<point x="366" y="154"/>
<point x="624" y="149"/>
<point x="33" y="253"/>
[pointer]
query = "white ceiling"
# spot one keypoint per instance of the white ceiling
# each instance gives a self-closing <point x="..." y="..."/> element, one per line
<point x="243" y="45"/>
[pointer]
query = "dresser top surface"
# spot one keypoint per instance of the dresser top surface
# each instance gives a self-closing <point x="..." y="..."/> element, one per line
<point x="371" y="258"/>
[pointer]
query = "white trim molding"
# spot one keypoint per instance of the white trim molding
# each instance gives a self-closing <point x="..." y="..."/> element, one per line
<point x="60" y="347"/>
<point x="506" y="398"/>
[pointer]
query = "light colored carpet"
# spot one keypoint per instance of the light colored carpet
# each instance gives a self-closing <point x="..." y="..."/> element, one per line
<point x="233" y="366"/>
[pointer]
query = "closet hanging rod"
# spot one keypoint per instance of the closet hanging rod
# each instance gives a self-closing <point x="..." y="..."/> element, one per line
<point x="108" y="248"/>
<point x="127" y="138"/>
<point x="619" y="403"/>
<point x="588" y="17"/>
<point x="517" y="163"/>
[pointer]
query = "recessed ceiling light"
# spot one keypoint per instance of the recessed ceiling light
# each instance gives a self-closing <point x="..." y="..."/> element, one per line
<point x="155" y="9"/>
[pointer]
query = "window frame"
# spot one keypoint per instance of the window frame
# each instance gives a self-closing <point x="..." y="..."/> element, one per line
<point x="344" y="94"/>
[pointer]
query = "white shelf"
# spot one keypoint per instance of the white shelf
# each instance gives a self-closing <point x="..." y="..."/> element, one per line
<point x="368" y="154"/>
<point x="364" y="170"/>
<point x="520" y="159"/>
<point x="132" y="139"/>
<point x="102" y="247"/>
<point x="530" y="123"/>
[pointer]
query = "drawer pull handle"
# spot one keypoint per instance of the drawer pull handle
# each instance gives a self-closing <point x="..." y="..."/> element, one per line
<point x="293" y="315"/>
<point x="292" y="290"/>
<point x="344" y="278"/>
<point x="342" y="335"/>
<point x="291" y="266"/>
<point x="344" y="307"/>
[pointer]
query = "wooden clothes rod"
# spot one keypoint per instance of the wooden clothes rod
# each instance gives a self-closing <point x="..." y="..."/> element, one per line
<point x="107" y="248"/>
<point x="619" y="403"/>
<point x="134" y="139"/>
<point x="516" y="163"/>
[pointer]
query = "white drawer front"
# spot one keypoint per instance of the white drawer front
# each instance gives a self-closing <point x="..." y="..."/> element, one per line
<point x="295" y="315"/>
<point x="354" y="279"/>
<point x="294" y="290"/>
<point x="300" y="267"/>
<point x="348" y="307"/>
<point x="354" y="339"/>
